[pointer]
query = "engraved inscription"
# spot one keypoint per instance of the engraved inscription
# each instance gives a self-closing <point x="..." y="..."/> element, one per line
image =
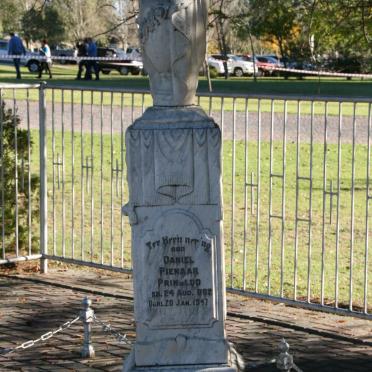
<point x="179" y="282"/>
<point x="180" y="290"/>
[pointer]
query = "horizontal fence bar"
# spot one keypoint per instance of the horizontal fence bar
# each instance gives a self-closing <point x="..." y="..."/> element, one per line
<point x="21" y="259"/>
<point x="88" y="264"/>
<point x="302" y="304"/>
<point x="276" y="97"/>
<point x="19" y="86"/>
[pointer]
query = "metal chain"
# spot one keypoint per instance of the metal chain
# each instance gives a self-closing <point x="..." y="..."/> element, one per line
<point x="42" y="338"/>
<point x="297" y="369"/>
<point x="108" y="329"/>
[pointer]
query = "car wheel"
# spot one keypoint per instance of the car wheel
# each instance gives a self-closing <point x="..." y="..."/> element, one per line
<point x="135" y="71"/>
<point x="124" y="70"/>
<point x="238" y="72"/>
<point x="33" y="66"/>
<point x="105" y="72"/>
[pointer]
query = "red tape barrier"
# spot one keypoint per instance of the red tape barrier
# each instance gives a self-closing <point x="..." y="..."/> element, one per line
<point x="316" y="73"/>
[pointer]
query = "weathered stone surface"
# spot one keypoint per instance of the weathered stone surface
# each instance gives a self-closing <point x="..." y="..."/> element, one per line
<point x="173" y="40"/>
<point x="174" y="179"/>
<point x="174" y="175"/>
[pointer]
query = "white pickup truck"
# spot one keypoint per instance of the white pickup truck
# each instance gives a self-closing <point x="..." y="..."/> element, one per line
<point x="27" y="60"/>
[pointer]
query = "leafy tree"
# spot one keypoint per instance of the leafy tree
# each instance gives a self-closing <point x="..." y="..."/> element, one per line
<point x="10" y="15"/>
<point x="83" y="18"/>
<point x="43" y="22"/>
<point x="276" y="22"/>
<point x="310" y="28"/>
<point x="9" y="165"/>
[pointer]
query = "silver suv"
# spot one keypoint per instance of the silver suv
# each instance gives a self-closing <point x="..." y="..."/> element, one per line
<point x="216" y="61"/>
<point x="27" y="60"/>
<point x="241" y="65"/>
<point x="237" y="65"/>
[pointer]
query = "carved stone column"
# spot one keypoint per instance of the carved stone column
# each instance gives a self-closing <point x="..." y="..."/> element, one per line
<point x="175" y="205"/>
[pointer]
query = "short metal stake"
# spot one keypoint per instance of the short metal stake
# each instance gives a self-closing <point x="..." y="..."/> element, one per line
<point x="87" y="317"/>
<point x="284" y="361"/>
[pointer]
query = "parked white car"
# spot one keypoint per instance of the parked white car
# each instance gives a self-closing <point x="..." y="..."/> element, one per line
<point x="27" y="60"/>
<point x="217" y="64"/>
<point x="241" y="65"/>
<point x="236" y="65"/>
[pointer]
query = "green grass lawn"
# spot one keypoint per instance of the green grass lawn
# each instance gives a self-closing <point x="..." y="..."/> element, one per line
<point x="309" y="87"/>
<point x="84" y="235"/>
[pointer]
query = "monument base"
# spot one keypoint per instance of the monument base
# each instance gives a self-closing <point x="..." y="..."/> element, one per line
<point x="236" y="365"/>
<point x="202" y="368"/>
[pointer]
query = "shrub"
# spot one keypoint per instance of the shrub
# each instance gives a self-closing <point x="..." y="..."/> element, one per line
<point x="28" y="190"/>
<point x="213" y="73"/>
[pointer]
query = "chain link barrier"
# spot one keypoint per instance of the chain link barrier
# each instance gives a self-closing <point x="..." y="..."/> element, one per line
<point x="284" y="362"/>
<point x="46" y="336"/>
<point x="109" y="330"/>
<point x="87" y="316"/>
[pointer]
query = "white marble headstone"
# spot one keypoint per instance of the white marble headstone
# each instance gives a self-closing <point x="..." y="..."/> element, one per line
<point x="175" y="203"/>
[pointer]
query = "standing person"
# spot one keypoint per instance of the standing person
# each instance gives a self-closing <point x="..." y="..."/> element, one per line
<point x="16" y="48"/>
<point x="92" y="52"/>
<point x="81" y="52"/>
<point x="47" y="63"/>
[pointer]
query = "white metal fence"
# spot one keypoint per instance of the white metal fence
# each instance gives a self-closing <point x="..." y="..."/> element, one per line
<point x="296" y="183"/>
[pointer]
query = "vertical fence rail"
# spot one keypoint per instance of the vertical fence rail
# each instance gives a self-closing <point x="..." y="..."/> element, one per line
<point x="310" y="213"/>
<point x="122" y="149"/>
<point x="16" y="173"/>
<point x="298" y="177"/>
<point x="271" y="216"/>
<point x="82" y="192"/>
<point x="63" y="176"/>
<point x="43" y="181"/>
<point x="101" y="178"/>
<point x="322" y="275"/>
<point x="246" y="161"/>
<point x="2" y="177"/>
<point x="111" y="179"/>
<point x="368" y="198"/>
<point x="91" y="169"/>
<point x="339" y="159"/>
<point x="233" y="159"/>
<point x="54" y="177"/>
<point x="258" y="200"/>
<point x="72" y="176"/>
<point x="29" y="170"/>
<point x="352" y="213"/>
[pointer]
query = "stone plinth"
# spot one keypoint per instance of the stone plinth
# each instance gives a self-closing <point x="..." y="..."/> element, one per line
<point x="174" y="176"/>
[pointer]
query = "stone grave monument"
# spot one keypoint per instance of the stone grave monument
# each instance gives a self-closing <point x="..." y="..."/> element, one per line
<point x="175" y="203"/>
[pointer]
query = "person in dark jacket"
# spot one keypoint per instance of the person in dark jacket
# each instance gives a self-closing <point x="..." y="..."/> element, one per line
<point x="16" y="48"/>
<point x="81" y="52"/>
<point x="92" y="52"/>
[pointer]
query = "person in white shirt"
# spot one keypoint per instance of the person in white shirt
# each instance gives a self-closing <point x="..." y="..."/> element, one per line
<point x="45" y="64"/>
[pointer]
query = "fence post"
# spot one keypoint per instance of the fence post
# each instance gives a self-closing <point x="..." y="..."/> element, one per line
<point x="285" y="360"/>
<point x="87" y="317"/>
<point x="43" y="180"/>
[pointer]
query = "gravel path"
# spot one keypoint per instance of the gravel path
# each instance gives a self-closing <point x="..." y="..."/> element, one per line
<point x="291" y="128"/>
